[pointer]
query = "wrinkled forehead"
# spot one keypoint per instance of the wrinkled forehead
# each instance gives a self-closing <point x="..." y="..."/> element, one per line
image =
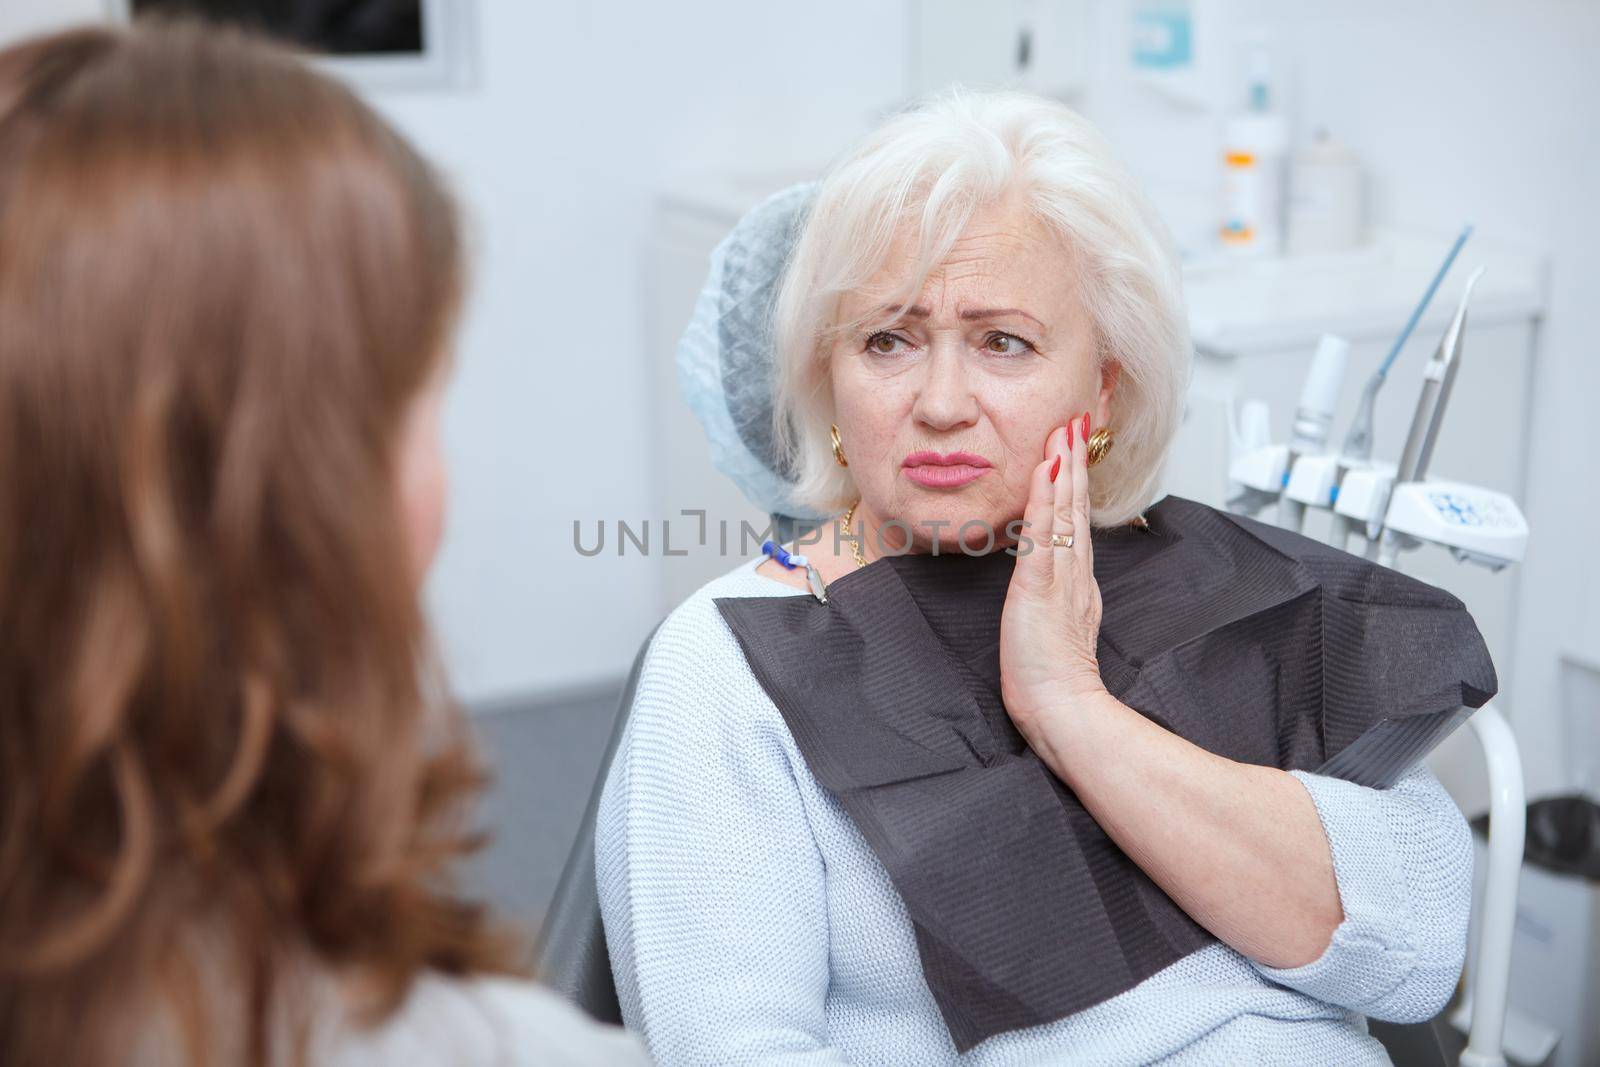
<point x="1004" y="256"/>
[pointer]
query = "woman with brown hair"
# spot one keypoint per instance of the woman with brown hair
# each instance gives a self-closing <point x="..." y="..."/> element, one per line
<point x="230" y="786"/>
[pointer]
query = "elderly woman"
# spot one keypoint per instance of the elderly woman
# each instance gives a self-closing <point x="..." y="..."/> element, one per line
<point x="979" y="307"/>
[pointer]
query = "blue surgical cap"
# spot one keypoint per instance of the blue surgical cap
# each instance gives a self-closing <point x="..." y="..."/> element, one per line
<point x="726" y="364"/>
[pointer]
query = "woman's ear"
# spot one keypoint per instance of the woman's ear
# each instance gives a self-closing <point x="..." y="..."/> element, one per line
<point x="1110" y="374"/>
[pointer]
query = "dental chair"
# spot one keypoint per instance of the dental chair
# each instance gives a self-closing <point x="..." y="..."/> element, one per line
<point x="572" y="958"/>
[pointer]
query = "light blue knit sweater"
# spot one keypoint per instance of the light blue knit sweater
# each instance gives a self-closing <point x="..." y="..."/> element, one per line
<point x="749" y="922"/>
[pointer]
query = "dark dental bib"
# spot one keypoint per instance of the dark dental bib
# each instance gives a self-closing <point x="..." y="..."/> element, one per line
<point x="1255" y="643"/>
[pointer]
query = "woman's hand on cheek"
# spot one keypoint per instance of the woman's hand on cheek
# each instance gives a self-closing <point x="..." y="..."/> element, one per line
<point x="1051" y="624"/>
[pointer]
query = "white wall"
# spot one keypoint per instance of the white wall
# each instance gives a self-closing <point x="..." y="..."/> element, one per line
<point x="19" y="18"/>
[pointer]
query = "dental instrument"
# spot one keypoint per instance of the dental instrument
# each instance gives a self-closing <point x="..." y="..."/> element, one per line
<point x="1358" y="441"/>
<point x="1319" y="396"/>
<point x="1438" y="378"/>
<point x="1356" y="452"/>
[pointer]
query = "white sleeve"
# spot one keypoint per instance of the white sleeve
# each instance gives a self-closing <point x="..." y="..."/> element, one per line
<point x="1402" y="858"/>
<point x="711" y="884"/>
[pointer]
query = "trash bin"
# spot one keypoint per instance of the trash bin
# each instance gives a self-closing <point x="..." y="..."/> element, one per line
<point x="1555" y="951"/>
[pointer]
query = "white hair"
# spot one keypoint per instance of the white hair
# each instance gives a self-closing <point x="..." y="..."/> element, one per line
<point x="936" y="165"/>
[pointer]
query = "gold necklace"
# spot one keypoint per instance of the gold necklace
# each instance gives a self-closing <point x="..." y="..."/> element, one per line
<point x="855" y="542"/>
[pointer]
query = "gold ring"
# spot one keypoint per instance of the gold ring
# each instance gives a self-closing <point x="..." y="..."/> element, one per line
<point x="1060" y="540"/>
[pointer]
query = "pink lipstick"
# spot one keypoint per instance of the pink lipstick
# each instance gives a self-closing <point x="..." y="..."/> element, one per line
<point x="948" y="470"/>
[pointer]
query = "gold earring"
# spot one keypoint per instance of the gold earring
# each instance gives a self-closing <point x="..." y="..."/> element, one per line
<point x="838" y="449"/>
<point x="1100" y="443"/>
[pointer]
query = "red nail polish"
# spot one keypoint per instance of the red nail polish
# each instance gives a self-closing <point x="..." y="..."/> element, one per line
<point x="1086" y="426"/>
<point x="1055" y="468"/>
<point x="1069" y="435"/>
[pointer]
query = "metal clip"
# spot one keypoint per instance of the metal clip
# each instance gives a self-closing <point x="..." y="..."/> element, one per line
<point x="814" y="579"/>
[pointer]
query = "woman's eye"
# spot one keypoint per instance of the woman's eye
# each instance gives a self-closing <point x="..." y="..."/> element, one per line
<point x="884" y="344"/>
<point x="1005" y="344"/>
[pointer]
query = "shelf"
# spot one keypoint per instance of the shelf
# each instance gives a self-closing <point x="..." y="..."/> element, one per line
<point x="1241" y="307"/>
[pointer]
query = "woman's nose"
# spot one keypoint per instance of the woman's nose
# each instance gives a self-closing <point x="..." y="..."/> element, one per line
<point x="944" y="399"/>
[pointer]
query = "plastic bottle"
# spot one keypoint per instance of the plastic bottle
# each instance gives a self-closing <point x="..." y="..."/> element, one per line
<point x="1325" y="201"/>
<point x="1255" y="142"/>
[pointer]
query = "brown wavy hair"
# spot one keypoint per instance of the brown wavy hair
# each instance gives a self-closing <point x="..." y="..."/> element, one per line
<point x="223" y="746"/>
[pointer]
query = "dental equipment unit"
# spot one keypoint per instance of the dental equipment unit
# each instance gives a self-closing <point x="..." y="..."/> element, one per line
<point x="1399" y="507"/>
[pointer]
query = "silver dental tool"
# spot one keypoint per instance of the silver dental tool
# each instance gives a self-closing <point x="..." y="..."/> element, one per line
<point x="1437" y="379"/>
<point x="1357" y="448"/>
